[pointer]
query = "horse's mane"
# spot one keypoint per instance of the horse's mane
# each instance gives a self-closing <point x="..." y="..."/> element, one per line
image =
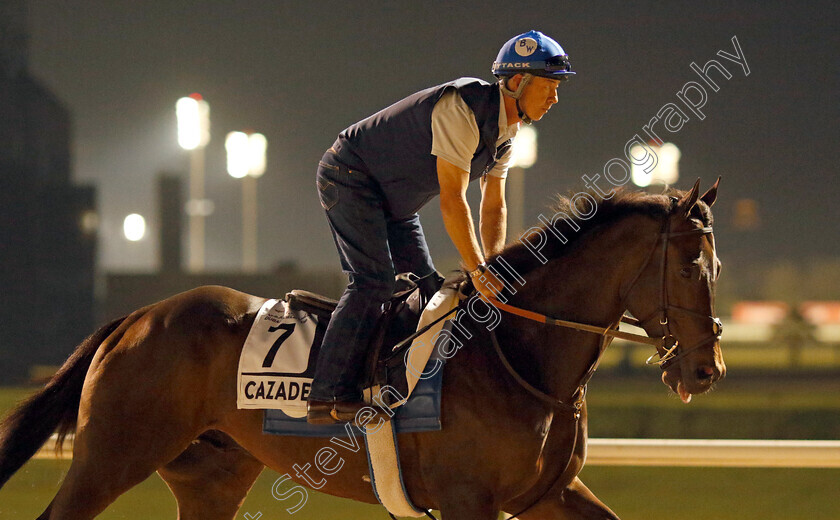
<point x="623" y="203"/>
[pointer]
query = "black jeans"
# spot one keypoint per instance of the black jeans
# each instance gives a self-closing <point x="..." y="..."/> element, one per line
<point x="372" y="248"/>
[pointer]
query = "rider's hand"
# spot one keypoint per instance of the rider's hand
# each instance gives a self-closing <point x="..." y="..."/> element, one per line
<point x="486" y="283"/>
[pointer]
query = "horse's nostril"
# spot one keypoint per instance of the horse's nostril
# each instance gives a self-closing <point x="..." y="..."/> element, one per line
<point x="705" y="373"/>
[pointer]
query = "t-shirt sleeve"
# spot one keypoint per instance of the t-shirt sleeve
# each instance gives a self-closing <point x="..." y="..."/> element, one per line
<point x="454" y="130"/>
<point x="500" y="169"/>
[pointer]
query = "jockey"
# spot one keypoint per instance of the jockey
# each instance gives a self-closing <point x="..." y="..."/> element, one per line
<point x="383" y="169"/>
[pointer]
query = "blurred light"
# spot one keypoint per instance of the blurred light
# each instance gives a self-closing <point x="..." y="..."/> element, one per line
<point x="238" y="161"/>
<point x="245" y="154"/>
<point x="193" y="122"/>
<point x="89" y="222"/>
<point x="257" y="145"/>
<point x="821" y="313"/>
<point x="667" y="165"/>
<point x="524" y="152"/>
<point x="134" y="227"/>
<point x="199" y="207"/>
<point x="746" y="217"/>
<point x="760" y="312"/>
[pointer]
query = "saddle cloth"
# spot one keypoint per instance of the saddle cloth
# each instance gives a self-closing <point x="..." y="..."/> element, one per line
<point x="278" y="360"/>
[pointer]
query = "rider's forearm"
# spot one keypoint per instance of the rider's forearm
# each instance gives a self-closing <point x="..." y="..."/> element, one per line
<point x="493" y="225"/>
<point x="459" y="224"/>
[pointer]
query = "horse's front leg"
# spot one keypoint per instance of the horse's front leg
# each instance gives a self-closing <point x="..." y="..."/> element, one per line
<point x="468" y="503"/>
<point x="574" y="502"/>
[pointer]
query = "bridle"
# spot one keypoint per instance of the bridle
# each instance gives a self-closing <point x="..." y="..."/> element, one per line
<point x="667" y="346"/>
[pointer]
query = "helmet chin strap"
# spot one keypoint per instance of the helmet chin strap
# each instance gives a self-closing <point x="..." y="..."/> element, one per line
<point x="522" y="115"/>
<point x="516" y="94"/>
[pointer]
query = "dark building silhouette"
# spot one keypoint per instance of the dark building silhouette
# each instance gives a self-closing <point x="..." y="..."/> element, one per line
<point x="126" y="292"/>
<point x="47" y="223"/>
<point x="170" y="204"/>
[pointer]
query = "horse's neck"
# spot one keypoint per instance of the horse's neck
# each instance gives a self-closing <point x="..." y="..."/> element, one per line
<point x="582" y="286"/>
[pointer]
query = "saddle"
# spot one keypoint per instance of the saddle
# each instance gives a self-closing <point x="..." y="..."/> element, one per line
<point x="398" y="321"/>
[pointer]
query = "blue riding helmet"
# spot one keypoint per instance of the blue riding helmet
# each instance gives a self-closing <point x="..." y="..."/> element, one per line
<point x="532" y="53"/>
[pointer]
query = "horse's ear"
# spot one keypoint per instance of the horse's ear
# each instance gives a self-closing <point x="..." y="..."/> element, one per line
<point x="711" y="195"/>
<point x="689" y="199"/>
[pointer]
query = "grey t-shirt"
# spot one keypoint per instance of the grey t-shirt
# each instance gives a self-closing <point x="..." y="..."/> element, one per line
<point x="455" y="133"/>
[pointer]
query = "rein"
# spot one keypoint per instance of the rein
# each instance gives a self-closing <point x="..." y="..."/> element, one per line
<point x="607" y="335"/>
<point x="610" y="331"/>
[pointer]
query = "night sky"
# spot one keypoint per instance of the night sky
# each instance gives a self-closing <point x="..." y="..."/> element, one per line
<point x="300" y="72"/>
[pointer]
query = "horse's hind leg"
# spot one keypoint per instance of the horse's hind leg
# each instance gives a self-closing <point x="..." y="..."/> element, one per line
<point x="144" y="400"/>
<point x="211" y="478"/>
<point x="110" y="460"/>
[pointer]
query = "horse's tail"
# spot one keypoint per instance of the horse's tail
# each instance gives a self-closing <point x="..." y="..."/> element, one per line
<point x="53" y="408"/>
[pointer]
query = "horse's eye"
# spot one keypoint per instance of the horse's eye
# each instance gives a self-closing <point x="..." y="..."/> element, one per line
<point x="685" y="272"/>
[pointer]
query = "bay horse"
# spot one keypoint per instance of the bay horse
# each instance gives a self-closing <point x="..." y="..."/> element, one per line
<point x="156" y="390"/>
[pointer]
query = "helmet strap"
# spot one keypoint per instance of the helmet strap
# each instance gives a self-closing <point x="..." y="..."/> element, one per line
<point x="526" y="78"/>
<point x="516" y="94"/>
<point x="522" y="115"/>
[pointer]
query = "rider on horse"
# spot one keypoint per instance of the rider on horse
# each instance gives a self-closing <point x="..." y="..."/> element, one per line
<point x="383" y="169"/>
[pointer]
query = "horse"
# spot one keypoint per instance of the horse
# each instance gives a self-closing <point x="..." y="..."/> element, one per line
<point x="156" y="390"/>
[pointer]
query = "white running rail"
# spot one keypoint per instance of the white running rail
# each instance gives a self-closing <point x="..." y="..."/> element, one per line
<point x="671" y="452"/>
<point x="720" y="453"/>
